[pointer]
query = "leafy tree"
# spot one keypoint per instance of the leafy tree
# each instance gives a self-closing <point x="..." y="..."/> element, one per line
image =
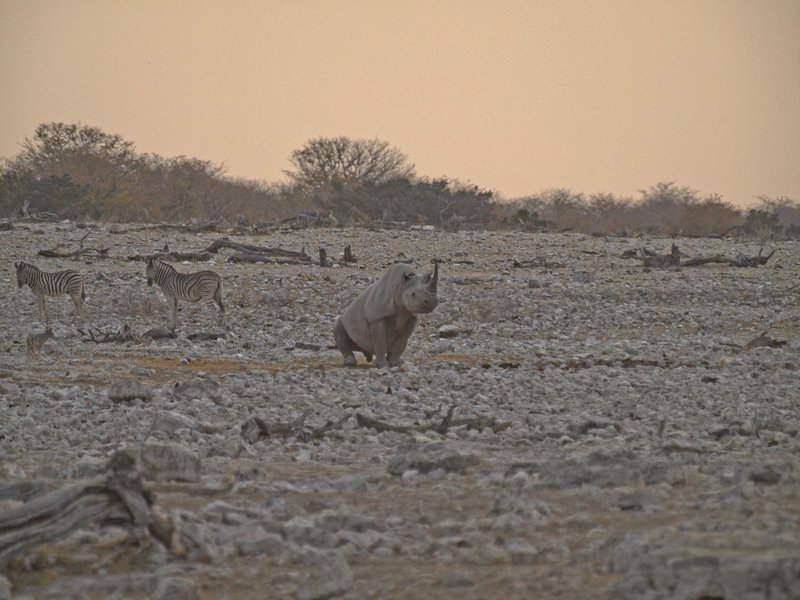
<point x="105" y="163"/>
<point x="342" y="161"/>
<point x="56" y="194"/>
<point x="437" y="201"/>
<point x="761" y="222"/>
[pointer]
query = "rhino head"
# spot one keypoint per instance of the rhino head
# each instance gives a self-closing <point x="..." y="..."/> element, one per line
<point x="419" y="294"/>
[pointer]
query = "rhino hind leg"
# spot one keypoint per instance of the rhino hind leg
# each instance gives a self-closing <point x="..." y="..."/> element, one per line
<point x="346" y="345"/>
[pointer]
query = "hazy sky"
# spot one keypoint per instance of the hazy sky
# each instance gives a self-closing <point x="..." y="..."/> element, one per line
<point x="513" y="96"/>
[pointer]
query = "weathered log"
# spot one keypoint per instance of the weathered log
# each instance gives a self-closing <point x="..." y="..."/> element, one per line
<point x="81" y="251"/>
<point x="764" y="341"/>
<point x="441" y="427"/>
<point x="225" y="242"/>
<point x="196" y="228"/>
<point x="323" y="258"/>
<point x="120" y="336"/>
<point x="318" y="433"/>
<point x="739" y="261"/>
<point x="255" y="428"/>
<point x="664" y="261"/>
<point x="253" y="258"/>
<point x="174" y="256"/>
<point x="661" y="261"/>
<point x="118" y="497"/>
<point x="348" y="255"/>
<point x="381" y="426"/>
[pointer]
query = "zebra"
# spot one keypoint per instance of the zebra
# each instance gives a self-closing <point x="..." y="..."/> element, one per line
<point x="59" y="283"/>
<point x="192" y="287"/>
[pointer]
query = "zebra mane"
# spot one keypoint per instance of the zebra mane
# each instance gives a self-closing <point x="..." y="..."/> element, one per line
<point x="164" y="265"/>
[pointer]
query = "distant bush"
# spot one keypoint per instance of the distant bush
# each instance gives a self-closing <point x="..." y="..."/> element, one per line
<point x="773" y="219"/>
<point x="663" y="209"/>
<point x="439" y="202"/>
<point x="75" y="171"/>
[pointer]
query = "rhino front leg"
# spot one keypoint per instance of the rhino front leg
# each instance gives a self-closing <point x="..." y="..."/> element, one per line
<point x="398" y="345"/>
<point x="378" y="333"/>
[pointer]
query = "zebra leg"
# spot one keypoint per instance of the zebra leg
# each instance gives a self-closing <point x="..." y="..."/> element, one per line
<point x="76" y="300"/>
<point x="174" y="312"/>
<point x="218" y="300"/>
<point x="40" y="302"/>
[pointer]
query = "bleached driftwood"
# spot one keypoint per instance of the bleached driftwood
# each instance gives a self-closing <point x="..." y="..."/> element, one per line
<point x="117" y="497"/>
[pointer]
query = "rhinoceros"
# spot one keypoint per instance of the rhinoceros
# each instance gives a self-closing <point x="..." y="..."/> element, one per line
<point x="381" y="319"/>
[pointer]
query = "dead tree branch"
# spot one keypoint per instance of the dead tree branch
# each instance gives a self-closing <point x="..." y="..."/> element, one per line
<point x="664" y="261"/>
<point x="739" y="261"/>
<point x="255" y="428"/>
<point x="764" y="341"/>
<point x="81" y="251"/>
<point x="251" y="253"/>
<point x="118" y="497"/>
<point x="120" y="336"/>
<point x="441" y="427"/>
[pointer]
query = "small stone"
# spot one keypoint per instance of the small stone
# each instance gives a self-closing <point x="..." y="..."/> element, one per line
<point x="449" y="331"/>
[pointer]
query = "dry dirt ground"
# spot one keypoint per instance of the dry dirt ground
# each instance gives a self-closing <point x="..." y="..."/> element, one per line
<point x="639" y="447"/>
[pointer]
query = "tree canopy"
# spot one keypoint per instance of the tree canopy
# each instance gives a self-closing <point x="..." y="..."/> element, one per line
<point x="343" y="161"/>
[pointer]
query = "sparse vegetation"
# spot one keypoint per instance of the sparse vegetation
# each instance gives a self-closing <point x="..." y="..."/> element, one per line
<point x="74" y="171"/>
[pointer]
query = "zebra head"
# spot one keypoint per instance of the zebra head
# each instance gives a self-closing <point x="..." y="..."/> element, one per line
<point x="21" y="278"/>
<point x="150" y="272"/>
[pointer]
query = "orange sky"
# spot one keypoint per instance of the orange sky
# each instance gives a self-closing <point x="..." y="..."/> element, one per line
<point x="513" y="96"/>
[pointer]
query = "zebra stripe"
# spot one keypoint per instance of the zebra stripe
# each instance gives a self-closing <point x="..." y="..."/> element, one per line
<point x="190" y="287"/>
<point x="59" y="283"/>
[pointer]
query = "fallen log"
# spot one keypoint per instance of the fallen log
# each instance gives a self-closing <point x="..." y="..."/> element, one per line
<point x="246" y="249"/>
<point x="255" y="428"/>
<point x="661" y="261"/>
<point x="764" y="341"/>
<point x="481" y="423"/>
<point x="174" y="256"/>
<point x="126" y="334"/>
<point x="739" y="261"/>
<point x="254" y="258"/>
<point x="380" y="426"/>
<point x="673" y="259"/>
<point x="118" y="497"/>
<point x="196" y="228"/>
<point x="81" y="251"/>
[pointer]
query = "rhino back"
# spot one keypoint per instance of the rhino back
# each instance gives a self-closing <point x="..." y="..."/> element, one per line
<point x="381" y="300"/>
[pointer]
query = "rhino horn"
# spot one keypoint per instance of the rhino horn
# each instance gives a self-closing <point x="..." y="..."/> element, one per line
<point x="434" y="278"/>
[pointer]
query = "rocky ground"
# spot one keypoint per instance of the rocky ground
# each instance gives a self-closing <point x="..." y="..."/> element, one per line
<point x="613" y="436"/>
